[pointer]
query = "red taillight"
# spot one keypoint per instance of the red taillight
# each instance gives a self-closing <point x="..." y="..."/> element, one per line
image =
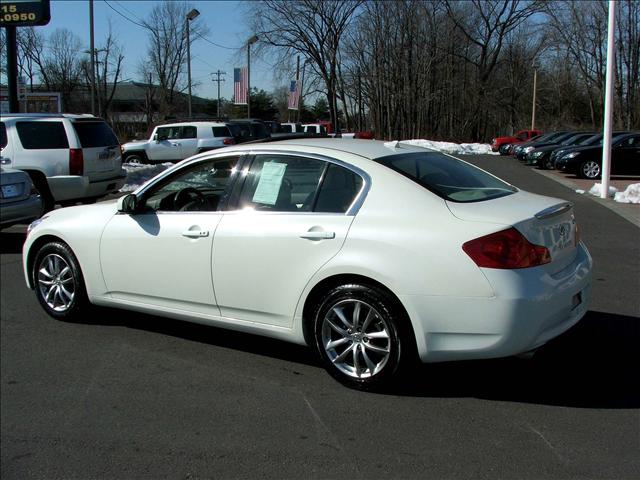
<point x="506" y="249"/>
<point x="228" y="141"/>
<point x="76" y="161"/>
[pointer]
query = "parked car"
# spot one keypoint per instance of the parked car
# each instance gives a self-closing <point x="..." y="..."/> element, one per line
<point x="371" y="254"/>
<point x="595" y="140"/>
<point x="176" y="141"/>
<point x="520" y="136"/>
<point x="541" y="155"/>
<point x="248" y="130"/>
<point x="314" y="128"/>
<point x="517" y="148"/>
<point x="70" y="158"/>
<point x="521" y="151"/>
<point x="20" y="202"/>
<point x="586" y="162"/>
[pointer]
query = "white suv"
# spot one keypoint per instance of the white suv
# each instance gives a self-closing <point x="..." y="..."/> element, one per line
<point x="69" y="158"/>
<point x="177" y="141"/>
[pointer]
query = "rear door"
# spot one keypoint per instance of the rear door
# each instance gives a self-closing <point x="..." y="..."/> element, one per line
<point x="100" y="149"/>
<point x="189" y="140"/>
<point x="626" y="156"/>
<point x="283" y="229"/>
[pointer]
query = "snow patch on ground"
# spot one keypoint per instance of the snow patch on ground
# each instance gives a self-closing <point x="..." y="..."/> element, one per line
<point x="139" y="174"/>
<point x="451" y="148"/>
<point x="630" y="195"/>
<point x="597" y="189"/>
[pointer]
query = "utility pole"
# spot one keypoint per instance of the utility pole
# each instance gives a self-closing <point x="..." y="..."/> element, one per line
<point x="218" y="80"/>
<point x="92" y="48"/>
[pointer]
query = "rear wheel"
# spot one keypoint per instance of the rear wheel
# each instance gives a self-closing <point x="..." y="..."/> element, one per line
<point x="40" y="182"/>
<point x="589" y="169"/>
<point x="58" y="282"/>
<point x="361" y="337"/>
<point x="547" y="164"/>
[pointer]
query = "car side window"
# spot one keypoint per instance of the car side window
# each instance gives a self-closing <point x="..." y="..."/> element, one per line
<point x="168" y="133"/>
<point x="3" y="135"/>
<point x="189" y="132"/>
<point x="338" y="191"/>
<point x="42" y="135"/>
<point x="630" y="142"/>
<point x="281" y="183"/>
<point x="198" y="188"/>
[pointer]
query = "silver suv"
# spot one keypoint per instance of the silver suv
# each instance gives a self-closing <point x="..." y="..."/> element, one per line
<point x="69" y="158"/>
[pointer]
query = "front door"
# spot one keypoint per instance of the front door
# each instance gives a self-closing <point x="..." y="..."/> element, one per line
<point x="162" y="255"/>
<point x="165" y="145"/>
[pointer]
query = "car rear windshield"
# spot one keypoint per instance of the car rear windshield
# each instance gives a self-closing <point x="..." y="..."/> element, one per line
<point x="95" y="134"/>
<point x="221" y="132"/>
<point x="448" y="177"/>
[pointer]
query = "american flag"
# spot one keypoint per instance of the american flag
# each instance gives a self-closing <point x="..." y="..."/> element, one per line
<point x="240" y="86"/>
<point x="294" y="95"/>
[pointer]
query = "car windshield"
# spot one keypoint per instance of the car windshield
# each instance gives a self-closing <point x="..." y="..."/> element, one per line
<point x="448" y="177"/>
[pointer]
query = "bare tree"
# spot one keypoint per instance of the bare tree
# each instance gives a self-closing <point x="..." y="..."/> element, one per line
<point x="167" y="51"/>
<point x="311" y="28"/>
<point x="61" y="69"/>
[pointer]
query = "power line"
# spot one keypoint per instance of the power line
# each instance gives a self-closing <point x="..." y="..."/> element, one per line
<point x="124" y="16"/>
<point x="214" y="43"/>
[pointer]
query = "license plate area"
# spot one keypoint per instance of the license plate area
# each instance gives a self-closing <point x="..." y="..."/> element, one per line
<point x="11" y="191"/>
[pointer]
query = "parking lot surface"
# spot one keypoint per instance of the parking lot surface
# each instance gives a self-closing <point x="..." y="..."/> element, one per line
<point x="125" y="395"/>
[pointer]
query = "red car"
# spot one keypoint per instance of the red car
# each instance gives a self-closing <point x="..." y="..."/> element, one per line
<point x="519" y="137"/>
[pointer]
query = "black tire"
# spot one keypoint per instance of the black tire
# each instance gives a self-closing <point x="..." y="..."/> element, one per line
<point x="372" y="353"/>
<point x="546" y="164"/>
<point x="589" y="169"/>
<point x="40" y="182"/>
<point x="135" y="158"/>
<point x="54" y="258"/>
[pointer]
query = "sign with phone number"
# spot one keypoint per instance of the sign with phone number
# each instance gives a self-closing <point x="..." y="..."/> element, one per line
<point x="24" y="13"/>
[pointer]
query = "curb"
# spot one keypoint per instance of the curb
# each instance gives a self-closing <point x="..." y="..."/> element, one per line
<point x="630" y="214"/>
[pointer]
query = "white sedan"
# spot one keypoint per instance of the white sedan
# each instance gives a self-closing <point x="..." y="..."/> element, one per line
<point x="373" y="254"/>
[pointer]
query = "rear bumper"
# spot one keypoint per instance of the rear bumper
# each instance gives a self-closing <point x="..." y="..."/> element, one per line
<point x="530" y="307"/>
<point x="73" y="187"/>
<point x="20" y="212"/>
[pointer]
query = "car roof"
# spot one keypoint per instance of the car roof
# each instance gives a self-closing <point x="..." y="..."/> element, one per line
<point x="6" y="116"/>
<point x="370" y="149"/>
<point x="191" y="124"/>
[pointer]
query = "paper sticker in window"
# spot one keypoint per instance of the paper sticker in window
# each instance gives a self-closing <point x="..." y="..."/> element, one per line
<point x="269" y="184"/>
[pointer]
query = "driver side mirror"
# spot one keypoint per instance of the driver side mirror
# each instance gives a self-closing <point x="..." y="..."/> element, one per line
<point x="128" y="204"/>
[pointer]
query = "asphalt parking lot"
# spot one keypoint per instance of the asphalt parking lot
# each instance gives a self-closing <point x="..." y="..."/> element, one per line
<point x="125" y="395"/>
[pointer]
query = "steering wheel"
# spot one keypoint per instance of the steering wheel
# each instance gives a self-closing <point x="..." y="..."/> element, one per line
<point x="186" y="197"/>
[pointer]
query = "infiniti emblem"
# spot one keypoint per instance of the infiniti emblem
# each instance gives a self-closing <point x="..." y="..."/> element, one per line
<point x="563" y="231"/>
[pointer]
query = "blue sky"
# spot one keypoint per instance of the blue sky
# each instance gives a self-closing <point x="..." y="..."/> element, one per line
<point x="227" y="25"/>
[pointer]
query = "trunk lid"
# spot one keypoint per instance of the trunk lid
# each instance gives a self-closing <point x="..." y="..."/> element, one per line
<point x="544" y="221"/>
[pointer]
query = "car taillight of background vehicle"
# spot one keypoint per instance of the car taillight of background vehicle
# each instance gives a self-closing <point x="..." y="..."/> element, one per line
<point x="76" y="161"/>
<point x="228" y="141"/>
<point x="507" y="249"/>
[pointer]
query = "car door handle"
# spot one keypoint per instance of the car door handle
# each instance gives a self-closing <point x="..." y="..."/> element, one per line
<point x="195" y="233"/>
<point x="315" y="235"/>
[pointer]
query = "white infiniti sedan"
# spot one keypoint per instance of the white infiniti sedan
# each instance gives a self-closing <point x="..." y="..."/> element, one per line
<point x="372" y="254"/>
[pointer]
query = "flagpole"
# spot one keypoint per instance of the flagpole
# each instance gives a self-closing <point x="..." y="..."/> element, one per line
<point x="608" y="104"/>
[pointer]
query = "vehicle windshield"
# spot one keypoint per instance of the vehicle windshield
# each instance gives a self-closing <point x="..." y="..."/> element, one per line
<point x="448" y="177"/>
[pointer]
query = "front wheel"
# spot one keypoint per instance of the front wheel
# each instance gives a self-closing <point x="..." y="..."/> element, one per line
<point x="547" y="164"/>
<point x="58" y="282"/>
<point x="589" y="169"/>
<point x="361" y="337"/>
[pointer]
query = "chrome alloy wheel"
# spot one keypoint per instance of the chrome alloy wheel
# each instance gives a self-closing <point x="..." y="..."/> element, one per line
<point x="356" y="338"/>
<point x="591" y="169"/>
<point x="56" y="282"/>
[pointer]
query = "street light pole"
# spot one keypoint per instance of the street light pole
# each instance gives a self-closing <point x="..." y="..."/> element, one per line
<point x="533" y="107"/>
<point x="250" y="42"/>
<point x="93" y="64"/>
<point x="190" y="16"/>
<point x="608" y="103"/>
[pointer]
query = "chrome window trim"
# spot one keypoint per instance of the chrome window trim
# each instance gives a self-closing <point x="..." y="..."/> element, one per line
<point x="359" y="199"/>
<point x="353" y="209"/>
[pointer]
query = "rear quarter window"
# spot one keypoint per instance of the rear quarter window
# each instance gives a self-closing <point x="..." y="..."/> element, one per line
<point x="42" y="135"/>
<point x="448" y="177"/>
<point x="221" y="132"/>
<point x="95" y="134"/>
<point x="3" y="135"/>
